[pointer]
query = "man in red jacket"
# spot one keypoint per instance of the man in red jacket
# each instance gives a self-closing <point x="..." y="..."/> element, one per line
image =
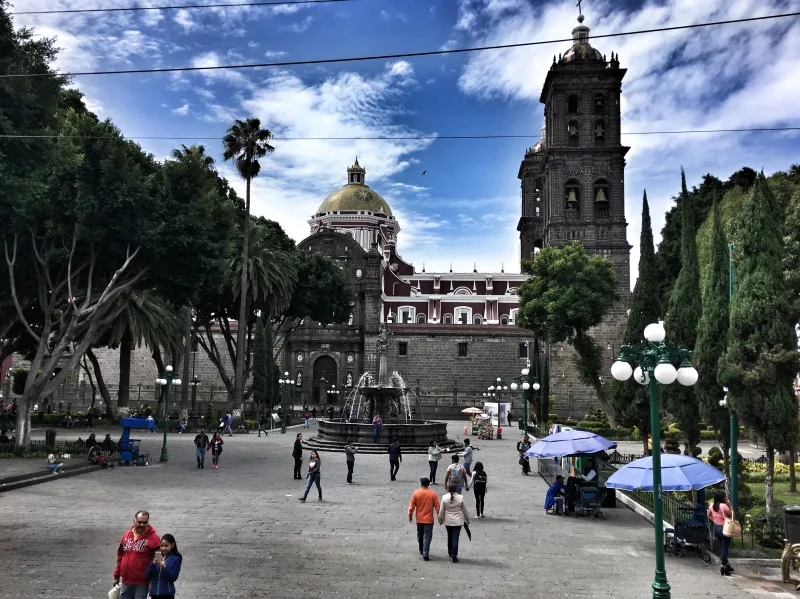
<point x="136" y="550"/>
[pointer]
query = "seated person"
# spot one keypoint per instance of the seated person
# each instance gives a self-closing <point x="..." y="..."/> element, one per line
<point x="91" y="441"/>
<point x="53" y="463"/>
<point x="108" y="444"/>
<point x="555" y="495"/>
<point x="182" y="425"/>
<point x="589" y="473"/>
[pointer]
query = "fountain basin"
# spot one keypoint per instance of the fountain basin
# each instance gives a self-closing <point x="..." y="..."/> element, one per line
<point x="414" y="433"/>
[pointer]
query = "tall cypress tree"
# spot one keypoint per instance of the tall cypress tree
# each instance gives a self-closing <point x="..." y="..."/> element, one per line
<point x="761" y="360"/>
<point x="630" y="400"/>
<point x="712" y="334"/>
<point x="681" y="322"/>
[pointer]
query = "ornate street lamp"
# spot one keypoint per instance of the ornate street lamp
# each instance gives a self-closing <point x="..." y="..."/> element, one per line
<point x="525" y="382"/>
<point x="655" y="363"/>
<point x="285" y="382"/>
<point x="167" y="381"/>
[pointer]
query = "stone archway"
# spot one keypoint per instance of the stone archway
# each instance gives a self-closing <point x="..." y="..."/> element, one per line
<point x="324" y="368"/>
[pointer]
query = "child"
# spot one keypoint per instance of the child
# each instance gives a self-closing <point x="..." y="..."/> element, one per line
<point x="215" y="447"/>
<point x="164" y="570"/>
<point x="479" y="487"/>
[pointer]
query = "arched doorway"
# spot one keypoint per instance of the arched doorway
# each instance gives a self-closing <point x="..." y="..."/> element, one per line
<point x="324" y="376"/>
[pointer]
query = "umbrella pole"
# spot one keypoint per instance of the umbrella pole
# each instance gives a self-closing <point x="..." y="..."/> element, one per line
<point x="661" y="589"/>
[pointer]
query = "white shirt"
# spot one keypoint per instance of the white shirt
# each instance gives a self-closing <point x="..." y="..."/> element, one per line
<point x="590" y="476"/>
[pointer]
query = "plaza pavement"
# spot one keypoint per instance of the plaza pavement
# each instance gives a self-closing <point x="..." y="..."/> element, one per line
<point x="243" y="533"/>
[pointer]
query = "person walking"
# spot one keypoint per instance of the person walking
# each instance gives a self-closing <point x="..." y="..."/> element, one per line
<point x="314" y="412"/>
<point x="313" y="476"/>
<point x="524" y="461"/>
<point x="718" y="512"/>
<point x="89" y="420"/>
<point x="377" y="425"/>
<point x="350" y="452"/>
<point x="467" y="455"/>
<point x="395" y="458"/>
<point x="307" y="417"/>
<point x="297" y="454"/>
<point x="479" y="488"/>
<point x="262" y="425"/>
<point x="453" y="514"/>
<point x="164" y="570"/>
<point x="456" y="475"/>
<point x="201" y="442"/>
<point x="228" y="423"/>
<point x="434" y="455"/>
<point x="134" y="554"/>
<point x="424" y="501"/>
<point x="215" y="446"/>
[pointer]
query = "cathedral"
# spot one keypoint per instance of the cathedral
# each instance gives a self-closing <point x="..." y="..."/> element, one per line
<point x="454" y="334"/>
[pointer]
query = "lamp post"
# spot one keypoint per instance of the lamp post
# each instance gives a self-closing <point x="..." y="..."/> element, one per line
<point x="525" y="382"/>
<point x="654" y="362"/>
<point x="494" y="391"/>
<point x="284" y="383"/>
<point x="194" y="382"/>
<point x="167" y="381"/>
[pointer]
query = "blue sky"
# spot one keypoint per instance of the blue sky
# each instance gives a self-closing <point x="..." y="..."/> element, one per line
<point x="465" y="208"/>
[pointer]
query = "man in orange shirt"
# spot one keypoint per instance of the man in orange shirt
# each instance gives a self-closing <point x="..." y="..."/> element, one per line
<point x="424" y="501"/>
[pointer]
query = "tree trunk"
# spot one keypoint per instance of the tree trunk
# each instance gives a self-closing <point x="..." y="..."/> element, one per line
<point x="125" y="347"/>
<point x="23" y="432"/>
<point x="187" y="357"/>
<point x="769" y="475"/>
<point x="241" y="325"/>
<point x="101" y="384"/>
<point x="792" y="477"/>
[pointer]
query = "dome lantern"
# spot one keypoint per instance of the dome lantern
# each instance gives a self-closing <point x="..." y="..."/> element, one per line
<point x="355" y="196"/>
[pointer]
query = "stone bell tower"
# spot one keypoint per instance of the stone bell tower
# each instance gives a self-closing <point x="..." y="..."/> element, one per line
<point x="573" y="185"/>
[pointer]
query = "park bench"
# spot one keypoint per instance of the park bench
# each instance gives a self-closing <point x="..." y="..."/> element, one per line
<point x="790" y="559"/>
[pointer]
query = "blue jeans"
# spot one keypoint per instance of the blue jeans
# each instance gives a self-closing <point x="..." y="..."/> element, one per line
<point x="201" y="456"/>
<point x="376" y="433"/>
<point x="468" y="468"/>
<point x="434" y="466"/>
<point x="138" y="591"/>
<point x="350" y="466"/>
<point x="227" y="430"/>
<point x="453" y="532"/>
<point x="724" y="544"/>
<point x="54" y="467"/>
<point x="311" y="479"/>
<point x="424" y="536"/>
<point x="262" y="427"/>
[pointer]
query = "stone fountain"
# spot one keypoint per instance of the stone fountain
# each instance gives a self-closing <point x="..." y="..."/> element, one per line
<point x="388" y="397"/>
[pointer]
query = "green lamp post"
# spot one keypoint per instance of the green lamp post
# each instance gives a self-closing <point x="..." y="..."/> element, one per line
<point x="526" y="384"/>
<point x="167" y="381"/>
<point x="655" y="364"/>
<point x="284" y="382"/>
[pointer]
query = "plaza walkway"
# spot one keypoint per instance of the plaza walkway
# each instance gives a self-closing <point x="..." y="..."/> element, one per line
<point x="243" y="533"/>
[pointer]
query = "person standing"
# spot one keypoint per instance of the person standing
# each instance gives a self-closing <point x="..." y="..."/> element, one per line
<point x="313" y="476"/>
<point x="718" y="512"/>
<point x="424" y="501"/>
<point x="307" y="417"/>
<point x="522" y="447"/>
<point x="134" y="554"/>
<point x="89" y="420"/>
<point x="377" y="425"/>
<point x="395" y="458"/>
<point x="479" y="481"/>
<point x="467" y="455"/>
<point x="164" y="570"/>
<point x="350" y="451"/>
<point x="456" y="475"/>
<point x="453" y="515"/>
<point x="297" y="454"/>
<point x="215" y="446"/>
<point x="314" y="412"/>
<point x="228" y="423"/>
<point x="434" y="455"/>
<point x="201" y="442"/>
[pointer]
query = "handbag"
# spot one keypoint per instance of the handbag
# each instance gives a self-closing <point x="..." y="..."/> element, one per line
<point x="114" y="592"/>
<point x="731" y="528"/>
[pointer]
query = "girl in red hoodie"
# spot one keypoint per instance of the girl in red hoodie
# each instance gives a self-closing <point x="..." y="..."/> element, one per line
<point x="215" y="447"/>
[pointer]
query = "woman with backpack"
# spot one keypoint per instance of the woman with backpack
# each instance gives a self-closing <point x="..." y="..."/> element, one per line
<point x="456" y="475"/>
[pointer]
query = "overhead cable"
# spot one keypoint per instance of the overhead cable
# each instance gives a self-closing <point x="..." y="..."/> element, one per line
<point x="176" y="7"/>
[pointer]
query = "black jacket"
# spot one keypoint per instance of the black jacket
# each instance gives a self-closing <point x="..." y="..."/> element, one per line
<point x="298" y="449"/>
<point x="395" y="454"/>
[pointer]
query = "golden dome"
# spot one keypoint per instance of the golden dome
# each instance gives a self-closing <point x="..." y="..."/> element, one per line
<point x="356" y="195"/>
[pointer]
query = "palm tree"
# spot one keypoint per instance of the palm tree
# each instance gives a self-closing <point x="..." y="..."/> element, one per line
<point x="244" y="144"/>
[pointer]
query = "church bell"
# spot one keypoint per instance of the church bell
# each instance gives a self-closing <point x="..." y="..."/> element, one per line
<point x="572" y="199"/>
<point x="601" y="197"/>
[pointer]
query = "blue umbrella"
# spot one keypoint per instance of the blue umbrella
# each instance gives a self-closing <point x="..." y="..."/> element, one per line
<point x="566" y="443"/>
<point x="678" y="473"/>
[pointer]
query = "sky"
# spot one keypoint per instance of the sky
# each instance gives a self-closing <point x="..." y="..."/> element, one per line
<point x="457" y="201"/>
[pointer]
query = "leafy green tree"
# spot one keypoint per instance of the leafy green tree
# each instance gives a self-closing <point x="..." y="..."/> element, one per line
<point x="629" y="400"/>
<point x="567" y="294"/>
<point x="761" y="358"/>
<point x="683" y="315"/>
<point x="245" y="143"/>
<point x="712" y="335"/>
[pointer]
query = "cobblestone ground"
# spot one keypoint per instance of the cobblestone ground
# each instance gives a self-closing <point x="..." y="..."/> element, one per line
<point x="243" y="533"/>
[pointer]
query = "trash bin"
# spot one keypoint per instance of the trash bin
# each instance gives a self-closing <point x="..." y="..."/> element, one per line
<point x="50" y="439"/>
<point x="791" y="523"/>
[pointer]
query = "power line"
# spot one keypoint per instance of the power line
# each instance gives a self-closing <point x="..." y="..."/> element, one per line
<point x="398" y="137"/>
<point x="177" y="7"/>
<point x="403" y="55"/>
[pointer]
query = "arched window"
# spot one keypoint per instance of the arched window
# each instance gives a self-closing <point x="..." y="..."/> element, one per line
<point x="572" y="104"/>
<point x="599" y="132"/>
<point x="448" y="319"/>
<point x="421" y="318"/>
<point x="477" y="319"/>
<point x="573" y="129"/>
<point x="407" y="314"/>
<point x="504" y="319"/>
<point x="599" y="104"/>
<point x="463" y="315"/>
<point x="513" y="314"/>
<point x="572" y="196"/>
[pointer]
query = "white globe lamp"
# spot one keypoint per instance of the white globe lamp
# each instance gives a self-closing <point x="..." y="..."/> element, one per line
<point x="525" y="372"/>
<point x="536" y="386"/>
<point x="655" y="332"/>
<point x="687" y="375"/>
<point x="514" y="386"/>
<point x="665" y="373"/>
<point x="526" y="385"/>
<point x="641" y="376"/>
<point x="621" y="370"/>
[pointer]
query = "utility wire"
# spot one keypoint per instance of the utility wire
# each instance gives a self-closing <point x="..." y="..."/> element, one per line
<point x="398" y="138"/>
<point x="177" y="7"/>
<point x="403" y="55"/>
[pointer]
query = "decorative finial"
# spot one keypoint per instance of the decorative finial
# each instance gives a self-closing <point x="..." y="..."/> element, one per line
<point x="356" y="165"/>
<point x="554" y="59"/>
<point x="474" y="267"/>
<point x="423" y="267"/>
<point x="502" y="267"/>
<point x="580" y="13"/>
<point x="451" y="267"/>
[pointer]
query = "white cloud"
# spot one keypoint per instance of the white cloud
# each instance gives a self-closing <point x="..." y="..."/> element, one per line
<point x="274" y="54"/>
<point x="301" y="26"/>
<point x="387" y="16"/>
<point x="185" y="20"/>
<point x="181" y="110"/>
<point x="213" y="59"/>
